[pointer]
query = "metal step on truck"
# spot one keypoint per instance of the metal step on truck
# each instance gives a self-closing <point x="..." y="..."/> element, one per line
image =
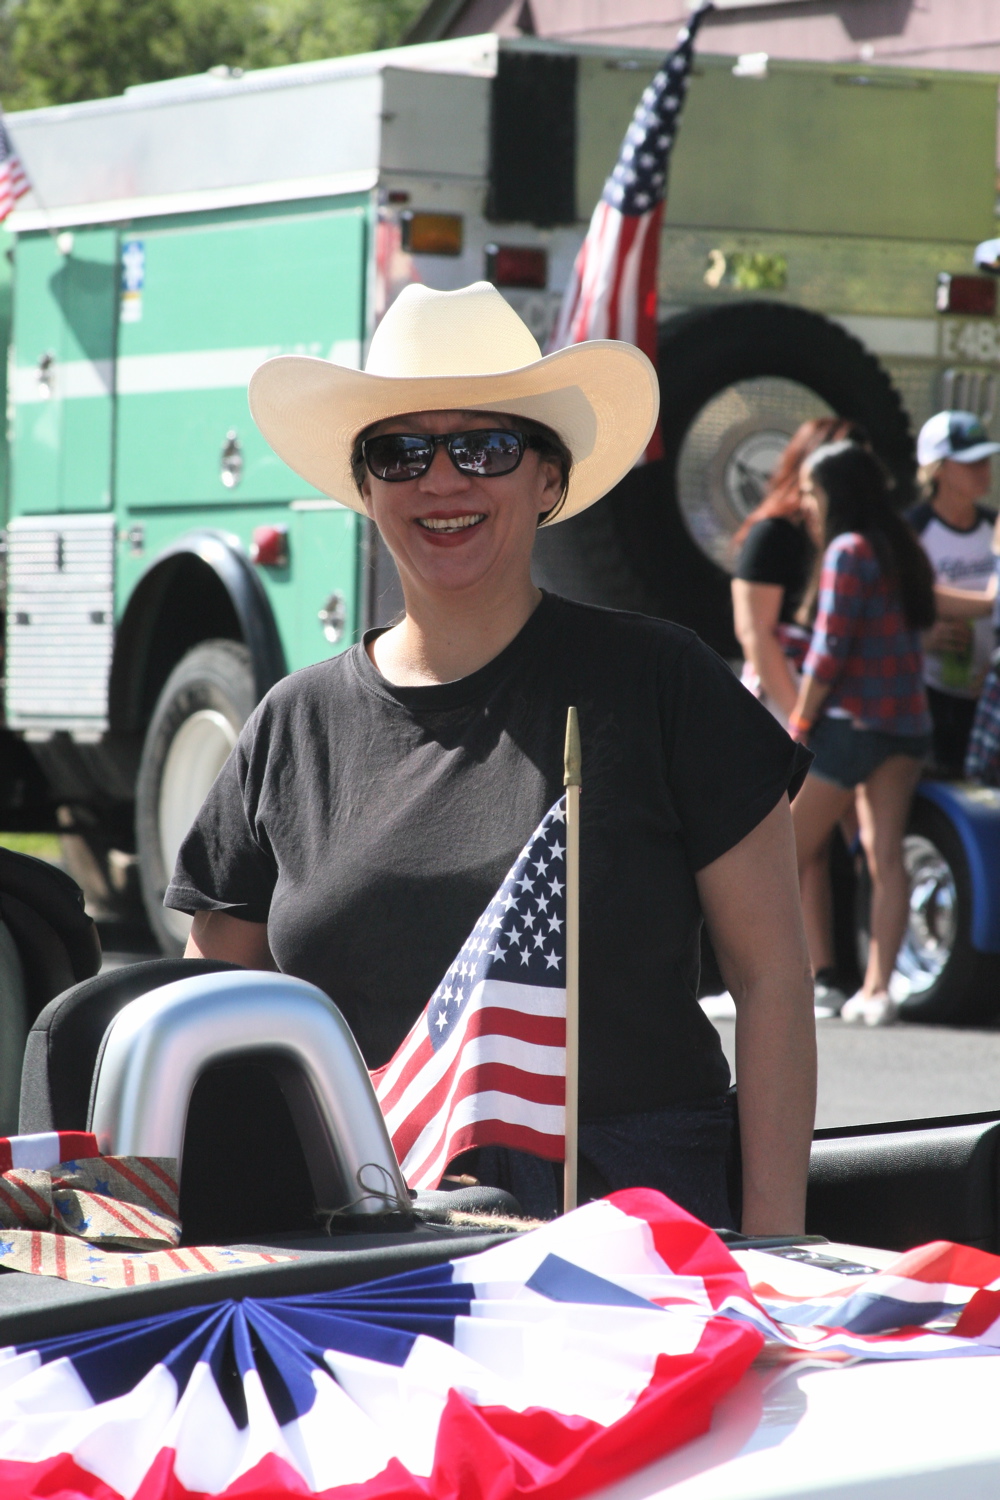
<point x="164" y="568"/>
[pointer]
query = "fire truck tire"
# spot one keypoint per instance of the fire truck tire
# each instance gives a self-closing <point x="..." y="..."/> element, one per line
<point x="582" y="559"/>
<point x="735" y="382"/>
<point x="205" y="702"/>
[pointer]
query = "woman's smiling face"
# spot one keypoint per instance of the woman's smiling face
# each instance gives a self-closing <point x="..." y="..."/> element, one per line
<point x="449" y="531"/>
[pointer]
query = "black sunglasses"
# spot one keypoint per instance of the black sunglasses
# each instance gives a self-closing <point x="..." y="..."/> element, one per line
<point x="487" y="451"/>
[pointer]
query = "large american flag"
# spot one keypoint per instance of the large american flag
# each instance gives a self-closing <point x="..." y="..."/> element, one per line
<point x="612" y="293"/>
<point x="13" y="182"/>
<point x="485" y="1063"/>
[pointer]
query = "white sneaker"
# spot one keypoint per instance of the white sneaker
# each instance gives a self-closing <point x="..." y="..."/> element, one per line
<point x="853" y="1010"/>
<point x="870" y="1010"/>
<point x="881" y="1010"/>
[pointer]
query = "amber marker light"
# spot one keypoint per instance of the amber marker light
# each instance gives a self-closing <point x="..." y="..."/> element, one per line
<point x="431" y="234"/>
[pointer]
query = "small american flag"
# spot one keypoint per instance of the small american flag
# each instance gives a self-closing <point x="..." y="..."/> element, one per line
<point x="485" y="1063"/>
<point x="13" y="182"/>
<point x="612" y="293"/>
<point x="48" y="1149"/>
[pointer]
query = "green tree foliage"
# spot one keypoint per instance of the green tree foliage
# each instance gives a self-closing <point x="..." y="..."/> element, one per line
<point x="60" y="51"/>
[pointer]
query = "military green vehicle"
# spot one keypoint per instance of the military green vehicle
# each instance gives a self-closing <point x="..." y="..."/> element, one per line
<point x="164" y="568"/>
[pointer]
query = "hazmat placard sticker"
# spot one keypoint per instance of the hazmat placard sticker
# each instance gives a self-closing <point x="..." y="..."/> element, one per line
<point x="133" y="280"/>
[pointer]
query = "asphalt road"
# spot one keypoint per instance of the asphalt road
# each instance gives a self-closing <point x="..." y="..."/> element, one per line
<point x="901" y="1072"/>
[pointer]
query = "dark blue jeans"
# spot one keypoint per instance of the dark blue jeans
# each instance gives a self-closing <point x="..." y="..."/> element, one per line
<point x="688" y="1151"/>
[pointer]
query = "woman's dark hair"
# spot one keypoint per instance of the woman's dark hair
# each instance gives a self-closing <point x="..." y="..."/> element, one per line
<point x="547" y="444"/>
<point x="858" y="499"/>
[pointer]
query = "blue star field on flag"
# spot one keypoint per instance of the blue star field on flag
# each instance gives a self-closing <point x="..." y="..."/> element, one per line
<point x="613" y="292"/>
<point x="640" y="175"/>
<point x="521" y="936"/>
<point x="484" y="1064"/>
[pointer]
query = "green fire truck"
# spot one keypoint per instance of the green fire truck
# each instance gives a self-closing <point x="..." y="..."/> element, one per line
<point x="163" y="568"/>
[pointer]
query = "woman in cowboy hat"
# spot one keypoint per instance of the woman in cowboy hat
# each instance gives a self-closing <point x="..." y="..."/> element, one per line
<point x="375" y="801"/>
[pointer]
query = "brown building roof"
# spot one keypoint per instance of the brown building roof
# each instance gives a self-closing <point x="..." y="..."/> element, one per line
<point x="962" y="34"/>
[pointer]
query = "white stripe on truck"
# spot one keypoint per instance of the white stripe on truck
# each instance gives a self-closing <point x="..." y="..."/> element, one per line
<point x="147" y="374"/>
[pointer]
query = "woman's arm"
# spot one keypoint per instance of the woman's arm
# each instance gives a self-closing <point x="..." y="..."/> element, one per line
<point x="750" y="897"/>
<point x="756" y="607"/>
<point x="215" y="934"/>
<point x="964" y="604"/>
<point x="843" y="588"/>
<point x="812" y="696"/>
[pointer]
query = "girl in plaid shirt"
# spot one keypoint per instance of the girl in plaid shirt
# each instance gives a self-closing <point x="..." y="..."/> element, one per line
<point x="862" y="707"/>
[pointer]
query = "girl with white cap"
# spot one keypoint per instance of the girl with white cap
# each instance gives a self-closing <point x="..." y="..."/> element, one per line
<point x="956" y="531"/>
<point x="375" y="802"/>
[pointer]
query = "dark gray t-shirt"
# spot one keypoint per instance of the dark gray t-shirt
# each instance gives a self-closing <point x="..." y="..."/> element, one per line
<point x="369" y="825"/>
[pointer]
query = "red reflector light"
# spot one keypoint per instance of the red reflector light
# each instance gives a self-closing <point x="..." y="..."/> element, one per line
<point x="975" y="296"/>
<point x="269" y="546"/>
<point x="517" y="265"/>
<point x="431" y="234"/>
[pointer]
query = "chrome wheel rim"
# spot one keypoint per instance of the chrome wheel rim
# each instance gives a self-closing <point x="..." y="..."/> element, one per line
<point x="197" y="753"/>
<point x="932" y="922"/>
<point x="729" y="453"/>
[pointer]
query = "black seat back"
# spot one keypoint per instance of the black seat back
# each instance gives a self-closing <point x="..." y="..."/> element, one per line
<point x="56" y="941"/>
<point x="65" y="1039"/>
<point x="904" y="1183"/>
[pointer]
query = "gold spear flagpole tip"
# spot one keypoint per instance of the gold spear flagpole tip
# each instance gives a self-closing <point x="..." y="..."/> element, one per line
<point x="573" y="758"/>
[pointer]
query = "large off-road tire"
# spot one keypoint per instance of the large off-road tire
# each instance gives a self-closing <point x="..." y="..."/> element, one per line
<point x="735" y="382"/>
<point x="205" y="702"/>
<point x="950" y="982"/>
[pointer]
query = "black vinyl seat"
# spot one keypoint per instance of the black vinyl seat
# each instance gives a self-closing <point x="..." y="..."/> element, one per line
<point x="65" y="1039"/>
<point x="42" y="909"/>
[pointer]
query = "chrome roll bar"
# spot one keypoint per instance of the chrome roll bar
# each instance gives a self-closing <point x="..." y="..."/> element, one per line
<point x="158" y="1046"/>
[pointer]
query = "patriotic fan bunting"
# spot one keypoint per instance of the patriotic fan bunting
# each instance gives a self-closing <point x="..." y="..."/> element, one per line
<point x="612" y="293"/>
<point x="485" y="1062"/>
<point x="550" y="1365"/>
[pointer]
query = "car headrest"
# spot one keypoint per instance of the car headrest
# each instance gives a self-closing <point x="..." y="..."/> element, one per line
<point x="244" y="1171"/>
<point x="158" y="1048"/>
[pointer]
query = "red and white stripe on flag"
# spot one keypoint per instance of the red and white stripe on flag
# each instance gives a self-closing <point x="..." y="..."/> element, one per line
<point x="13" y="180"/>
<point x="498" y="1080"/>
<point x="484" y="1064"/>
<point x="47" y="1149"/>
<point x="613" y="290"/>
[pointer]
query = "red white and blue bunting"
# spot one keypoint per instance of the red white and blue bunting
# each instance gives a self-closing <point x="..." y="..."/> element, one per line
<point x="550" y="1365"/>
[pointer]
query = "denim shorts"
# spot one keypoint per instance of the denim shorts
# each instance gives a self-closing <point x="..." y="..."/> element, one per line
<point x="847" y="755"/>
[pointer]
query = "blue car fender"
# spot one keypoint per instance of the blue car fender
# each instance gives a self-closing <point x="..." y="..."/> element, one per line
<point x="974" y="813"/>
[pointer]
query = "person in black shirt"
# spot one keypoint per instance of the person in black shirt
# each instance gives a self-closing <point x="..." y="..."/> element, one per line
<point x="776" y="550"/>
<point x="375" y="801"/>
<point x="773" y="589"/>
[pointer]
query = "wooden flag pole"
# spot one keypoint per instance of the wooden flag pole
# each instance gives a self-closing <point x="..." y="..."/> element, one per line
<point x="571" y="781"/>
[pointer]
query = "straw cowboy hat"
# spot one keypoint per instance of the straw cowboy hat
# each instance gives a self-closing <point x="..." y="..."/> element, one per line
<point x="436" y="351"/>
